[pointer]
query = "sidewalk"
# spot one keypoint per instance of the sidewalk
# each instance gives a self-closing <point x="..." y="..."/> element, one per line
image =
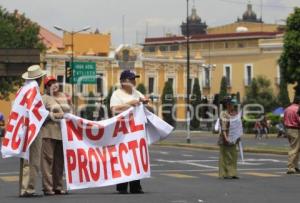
<point x="208" y="140"/>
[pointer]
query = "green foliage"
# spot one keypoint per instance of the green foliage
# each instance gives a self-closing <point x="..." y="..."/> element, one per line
<point x="141" y="88"/>
<point x="260" y="92"/>
<point x="9" y="85"/>
<point x="283" y="95"/>
<point x="275" y="119"/>
<point x="17" y="31"/>
<point x="290" y="58"/>
<point x="223" y="89"/>
<point x="195" y="101"/>
<point x="168" y="102"/>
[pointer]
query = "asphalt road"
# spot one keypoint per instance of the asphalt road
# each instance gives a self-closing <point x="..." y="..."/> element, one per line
<point x="181" y="176"/>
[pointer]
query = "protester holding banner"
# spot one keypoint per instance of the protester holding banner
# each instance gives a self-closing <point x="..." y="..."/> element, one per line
<point x="228" y="140"/>
<point x="292" y="124"/>
<point x="52" y="162"/>
<point x="121" y="100"/>
<point x="30" y="169"/>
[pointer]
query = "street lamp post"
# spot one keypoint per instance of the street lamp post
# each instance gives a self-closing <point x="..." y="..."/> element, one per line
<point x="188" y="138"/>
<point x="72" y="33"/>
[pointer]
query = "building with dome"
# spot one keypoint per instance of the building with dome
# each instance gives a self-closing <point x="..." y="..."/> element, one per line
<point x="250" y="16"/>
<point x="196" y="26"/>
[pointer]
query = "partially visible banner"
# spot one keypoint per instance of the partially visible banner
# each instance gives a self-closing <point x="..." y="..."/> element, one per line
<point x="111" y="151"/>
<point x="26" y="118"/>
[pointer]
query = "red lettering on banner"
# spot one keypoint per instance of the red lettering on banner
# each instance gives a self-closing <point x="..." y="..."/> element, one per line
<point x="30" y="132"/>
<point x="93" y="158"/>
<point x="89" y="132"/>
<point x="71" y="163"/>
<point x="144" y="156"/>
<point x="82" y="165"/>
<point x="9" y="127"/>
<point x="113" y="161"/>
<point x="103" y="160"/>
<point x="36" y="112"/>
<point x="72" y="130"/>
<point x="133" y="145"/>
<point x="29" y="98"/>
<point x="15" y="141"/>
<point x="118" y="128"/>
<point x="133" y="126"/>
<point x="123" y="149"/>
<point x="18" y="92"/>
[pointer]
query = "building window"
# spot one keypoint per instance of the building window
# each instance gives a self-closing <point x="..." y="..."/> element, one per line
<point x="174" y="48"/>
<point x="100" y="89"/>
<point x="227" y="74"/>
<point x="149" y="48"/>
<point x="151" y="85"/>
<point x="206" y="77"/>
<point x="163" y="48"/>
<point x="248" y="74"/>
<point x="241" y="45"/>
<point x="60" y="80"/>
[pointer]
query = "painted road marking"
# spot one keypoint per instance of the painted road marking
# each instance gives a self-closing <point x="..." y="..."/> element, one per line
<point x="266" y="175"/>
<point x="178" y="175"/>
<point x="211" y="174"/>
<point x="9" y="178"/>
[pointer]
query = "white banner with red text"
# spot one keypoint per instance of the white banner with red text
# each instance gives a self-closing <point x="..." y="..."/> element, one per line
<point x="111" y="151"/>
<point x="25" y="120"/>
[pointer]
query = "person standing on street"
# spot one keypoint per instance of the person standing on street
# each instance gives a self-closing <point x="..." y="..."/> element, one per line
<point x="291" y="121"/>
<point x="29" y="169"/>
<point x="228" y="149"/>
<point x="121" y="100"/>
<point x="52" y="162"/>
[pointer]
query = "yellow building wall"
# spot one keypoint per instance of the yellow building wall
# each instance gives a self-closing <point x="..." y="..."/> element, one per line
<point x="252" y="27"/>
<point x="83" y="42"/>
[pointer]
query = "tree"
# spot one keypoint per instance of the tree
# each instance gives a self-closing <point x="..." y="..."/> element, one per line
<point x="168" y="102"/>
<point x="17" y="31"/>
<point x="141" y="87"/>
<point x="260" y="92"/>
<point x="196" y="101"/>
<point x="290" y="58"/>
<point x="223" y="88"/>
<point x="283" y="95"/>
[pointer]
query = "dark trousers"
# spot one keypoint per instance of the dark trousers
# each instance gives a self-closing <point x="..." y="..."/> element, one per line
<point x="134" y="186"/>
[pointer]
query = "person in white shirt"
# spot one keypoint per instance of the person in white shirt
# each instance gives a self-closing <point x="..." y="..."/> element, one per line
<point x="121" y="100"/>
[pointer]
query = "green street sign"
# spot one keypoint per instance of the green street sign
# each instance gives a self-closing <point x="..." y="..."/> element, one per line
<point x="84" y="73"/>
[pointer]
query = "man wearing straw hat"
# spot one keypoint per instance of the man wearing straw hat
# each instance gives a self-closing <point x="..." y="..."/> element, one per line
<point x="29" y="169"/>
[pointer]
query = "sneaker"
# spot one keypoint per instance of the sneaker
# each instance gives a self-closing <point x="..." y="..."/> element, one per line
<point x="29" y="195"/>
<point x="49" y="193"/>
<point x="60" y="192"/>
<point x="291" y="172"/>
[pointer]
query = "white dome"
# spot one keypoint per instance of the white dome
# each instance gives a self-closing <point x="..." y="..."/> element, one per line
<point x="241" y="29"/>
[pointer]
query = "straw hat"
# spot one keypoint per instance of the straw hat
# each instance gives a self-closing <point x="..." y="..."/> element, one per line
<point x="33" y="72"/>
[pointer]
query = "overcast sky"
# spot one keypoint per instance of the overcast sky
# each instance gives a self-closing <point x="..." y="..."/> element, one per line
<point x="161" y="15"/>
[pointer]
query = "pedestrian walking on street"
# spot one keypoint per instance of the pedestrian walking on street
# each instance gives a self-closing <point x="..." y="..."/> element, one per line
<point x="121" y="100"/>
<point x="228" y="149"/>
<point x="52" y="162"/>
<point x="29" y="169"/>
<point x="292" y="125"/>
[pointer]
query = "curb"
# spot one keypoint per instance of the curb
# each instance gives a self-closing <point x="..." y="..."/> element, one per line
<point x="216" y="148"/>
